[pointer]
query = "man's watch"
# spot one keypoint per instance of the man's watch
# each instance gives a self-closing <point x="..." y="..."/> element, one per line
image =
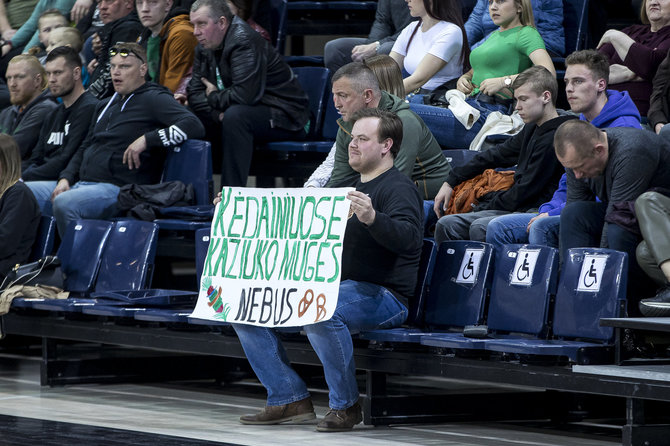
<point x="508" y="81"/>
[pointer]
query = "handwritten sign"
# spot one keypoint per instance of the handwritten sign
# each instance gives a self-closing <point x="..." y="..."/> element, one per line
<point x="274" y="257"/>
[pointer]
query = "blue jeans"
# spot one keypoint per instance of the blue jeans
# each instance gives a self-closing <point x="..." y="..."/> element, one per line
<point x="360" y="306"/>
<point x="467" y="226"/>
<point x="85" y="200"/>
<point x="447" y="130"/>
<point x="42" y="191"/>
<point x="512" y="229"/>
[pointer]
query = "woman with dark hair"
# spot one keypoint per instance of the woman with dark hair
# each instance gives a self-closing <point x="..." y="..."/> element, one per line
<point x="434" y="49"/>
<point x="636" y="52"/>
<point x="244" y="9"/>
<point x="19" y="213"/>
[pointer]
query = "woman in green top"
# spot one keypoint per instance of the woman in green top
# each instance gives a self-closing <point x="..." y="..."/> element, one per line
<point x="515" y="46"/>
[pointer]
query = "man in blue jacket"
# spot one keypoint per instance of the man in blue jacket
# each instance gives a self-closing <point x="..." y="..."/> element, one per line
<point x="125" y="143"/>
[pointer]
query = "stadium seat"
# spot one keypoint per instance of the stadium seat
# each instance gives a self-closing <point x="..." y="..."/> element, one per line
<point x="426" y="267"/>
<point x="80" y="252"/>
<point x="524" y="284"/>
<point x="458" y="157"/>
<point x="457" y="295"/>
<point x="201" y="247"/>
<point x="592" y="286"/>
<point x="191" y="163"/>
<point x="46" y="237"/>
<point x="575" y="25"/>
<point x="278" y="18"/>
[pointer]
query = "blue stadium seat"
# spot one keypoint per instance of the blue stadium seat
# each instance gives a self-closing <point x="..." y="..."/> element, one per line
<point x="457" y="295"/>
<point x="80" y="252"/>
<point x="46" y="236"/>
<point x="191" y="163"/>
<point x="201" y="247"/>
<point x="575" y="25"/>
<point x="278" y="18"/>
<point x="426" y="267"/>
<point x="524" y="284"/>
<point x="458" y="157"/>
<point x="592" y="286"/>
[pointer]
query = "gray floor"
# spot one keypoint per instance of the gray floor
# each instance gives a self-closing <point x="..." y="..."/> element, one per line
<point x="201" y="411"/>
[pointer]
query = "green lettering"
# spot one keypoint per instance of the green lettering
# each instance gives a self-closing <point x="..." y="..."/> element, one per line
<point x="319" y="263"/>
<point x="234" y="217"/>
<point x="247" y="219"/>
<point x="333" y="219"/>
<point x="213" y="245"/>
<point x="229" y="271"/>
<point x="337" y="264"/>
<point x="218" y="222"/>
<point x="320" y="217"/>
<point x="303" y="209"/>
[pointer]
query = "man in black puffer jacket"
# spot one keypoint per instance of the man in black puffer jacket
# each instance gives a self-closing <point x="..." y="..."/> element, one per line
<point x="240" y="81"/>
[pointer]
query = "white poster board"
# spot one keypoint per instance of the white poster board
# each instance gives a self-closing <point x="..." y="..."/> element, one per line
<point x="274" y="256"/>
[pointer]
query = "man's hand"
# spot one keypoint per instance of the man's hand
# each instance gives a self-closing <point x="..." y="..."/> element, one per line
<point x="362" y="207"/>
<point x="537" y="217"/>
<point x="442" y="199"/>
<point x="181" y="98"/>
<point x="209" y="87"/>
<point x="80" y="9"/>
<point x="360" y="52"/>
<point x="217" y="199"/>
<point x="61" y="187"/>
<point x="132" y="154"/>
<point x="96" y="44"/>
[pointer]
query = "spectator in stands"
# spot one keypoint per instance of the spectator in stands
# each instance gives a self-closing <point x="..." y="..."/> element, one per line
<point x="548" y="18"/>
<point x="125" y="142"/>
<point x="374" y="291"/>
<point x="121" y="25"/>
<point x="432" y="50"/>
<point x="659" y="103"/>
<point x="355" y="87"/>
<point x="31" y="102"/>
<point x="50" y="20"/>
<point x="241" y="83"/>
<point x="586" y="83"/>
<point x="11" y="17"/>
<point x="636" y="52"/>
<point x="388" y="74"/>
<point x="244" y="10"/>
<point x="615" y="165"/>
<point x="537" y="173"/>
<point x="653" y="253"/>
<point x="515" y="46"/>
<point x="586" y="89"/>
<point x="391" y="17"/>
<point x="64" y="130"/>
<point x="19" y="213"/>
<point x="168" y="38"/>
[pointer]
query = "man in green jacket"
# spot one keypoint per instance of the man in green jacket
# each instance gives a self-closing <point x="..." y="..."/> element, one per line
<point x="420" y="158"/>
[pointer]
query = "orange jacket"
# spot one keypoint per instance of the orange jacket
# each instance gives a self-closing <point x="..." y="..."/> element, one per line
<point x="177" y="51"/>
<point x="467" y="194"/>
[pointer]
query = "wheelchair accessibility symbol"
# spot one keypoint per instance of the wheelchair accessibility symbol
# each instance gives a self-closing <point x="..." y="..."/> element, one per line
<point x="592" y="272"/>
<point x="469" y="269"/>
<point x="524" y="267"/>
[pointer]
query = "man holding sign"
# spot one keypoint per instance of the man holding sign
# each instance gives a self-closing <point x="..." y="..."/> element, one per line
<point x="380" y="259"/>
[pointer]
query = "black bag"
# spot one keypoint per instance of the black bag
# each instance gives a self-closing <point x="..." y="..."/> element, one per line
<point x="436" y="98"/>
<point x="45" y="271"/>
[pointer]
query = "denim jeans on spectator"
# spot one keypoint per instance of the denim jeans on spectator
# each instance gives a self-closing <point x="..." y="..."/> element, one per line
<point x="85" y="200"/>
<point x="42" y="191"/>
<point x="447" y="130"/>
<point x="512" y="229"/>
<point x="360" y="306"/>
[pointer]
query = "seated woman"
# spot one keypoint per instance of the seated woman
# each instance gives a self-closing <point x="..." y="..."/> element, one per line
<point x="636" y="52"/>
<point x="515" y="46"/>
<point x="390" y="80"/>
<point x="432" y="50"/>
<point x="19" y="213"/>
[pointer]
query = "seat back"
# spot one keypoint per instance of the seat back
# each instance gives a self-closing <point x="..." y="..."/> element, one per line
<point x="46" y="236"/>
<point x="278" y="19"/>
<point x="127" y="260"/>
<point x="458" y="157"/>
<point x="460" y="284"/>
<point x="191" y="163"/>
<point x="201" y="247"/>
<point x="314" y="81"/>
<point x="330" y="127"/>
<point x="426" y="267"/>
<point x="524" y="283"/>
<point x="592" y="286"/>
<point x="80" y="252"/>
<point x="575" y="24"/>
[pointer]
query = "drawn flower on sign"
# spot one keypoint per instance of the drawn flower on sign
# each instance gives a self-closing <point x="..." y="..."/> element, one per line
<point x="214" y="298"/>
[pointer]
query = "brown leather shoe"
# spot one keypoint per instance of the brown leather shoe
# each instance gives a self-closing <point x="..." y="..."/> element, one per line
<point x="295" y="412"/>
<point x="341" y="420"/>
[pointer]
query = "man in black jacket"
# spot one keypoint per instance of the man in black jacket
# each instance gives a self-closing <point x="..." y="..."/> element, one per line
<point x="120" y="25"/>
<point x="537" y="173"/>
<point x="240" y="81"/>
<point x="125" y="143"/>
<point x="65" y="128"/>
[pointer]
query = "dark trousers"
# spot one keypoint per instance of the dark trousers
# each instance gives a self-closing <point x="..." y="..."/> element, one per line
<point x="245" y="126"/>
<point x="582" y="225"/>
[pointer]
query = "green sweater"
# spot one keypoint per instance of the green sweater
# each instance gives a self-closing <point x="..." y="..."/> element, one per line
<point x="420" y="157"/>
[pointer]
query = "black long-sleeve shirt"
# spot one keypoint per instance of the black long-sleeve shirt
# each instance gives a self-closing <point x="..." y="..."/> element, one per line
<point x="387" y="252"/>
<point x="19" y="220"/>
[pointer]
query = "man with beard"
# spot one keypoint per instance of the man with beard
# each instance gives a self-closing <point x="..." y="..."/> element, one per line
<point x="65" y="128"/>
<point x="31" y="103"/>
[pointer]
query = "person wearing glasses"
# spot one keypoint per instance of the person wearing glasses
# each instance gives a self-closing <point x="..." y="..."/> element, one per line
<point x="125" y="143"/>
<point x="243" y="85"/>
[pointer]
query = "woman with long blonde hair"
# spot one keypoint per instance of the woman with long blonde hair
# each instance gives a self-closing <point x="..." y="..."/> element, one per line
<point x="19" y="213"/>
